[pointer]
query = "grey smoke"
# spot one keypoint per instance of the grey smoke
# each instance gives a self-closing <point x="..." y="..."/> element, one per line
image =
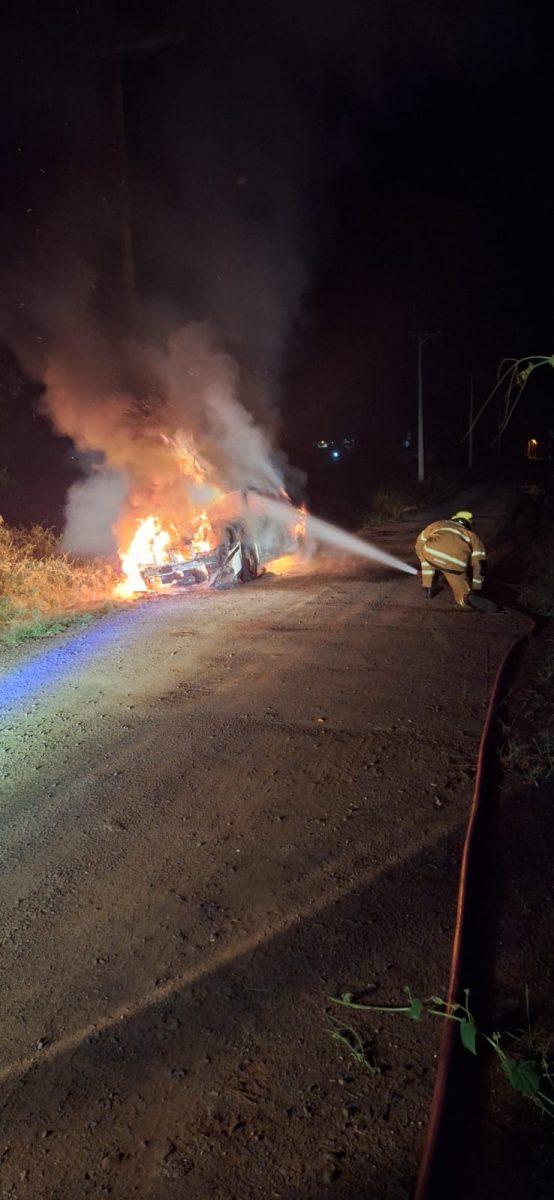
<point x="239" y="149"/>
<point x="93" y="508"/>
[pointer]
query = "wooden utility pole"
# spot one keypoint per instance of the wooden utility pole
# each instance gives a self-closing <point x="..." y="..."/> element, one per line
<point x="118" y="54"/>
<point x="421" y="339"/>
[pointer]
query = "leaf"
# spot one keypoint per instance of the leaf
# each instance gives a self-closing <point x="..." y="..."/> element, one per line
<point x="346" y="997"/>
<point x="415" y="1010"/>
<point x="468" y="1034"/>
<point x="524" y="1077"/>
<point x="438" y="1000"/>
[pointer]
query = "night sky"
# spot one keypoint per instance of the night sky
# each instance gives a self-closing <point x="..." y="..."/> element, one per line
<point x="320" y="181"/>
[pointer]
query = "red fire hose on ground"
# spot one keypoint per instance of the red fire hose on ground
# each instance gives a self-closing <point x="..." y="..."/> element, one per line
<point x="436" y="1112"/>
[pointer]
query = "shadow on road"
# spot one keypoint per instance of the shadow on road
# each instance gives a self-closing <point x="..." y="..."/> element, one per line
<point x="204" y="1091"/>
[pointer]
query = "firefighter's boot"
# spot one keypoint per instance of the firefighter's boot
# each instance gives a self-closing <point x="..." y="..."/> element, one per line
<point x="481" y="603"/>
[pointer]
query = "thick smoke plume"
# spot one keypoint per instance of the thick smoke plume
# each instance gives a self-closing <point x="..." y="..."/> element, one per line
<point x="233" y="135"/>
<point x="168" y="424"/>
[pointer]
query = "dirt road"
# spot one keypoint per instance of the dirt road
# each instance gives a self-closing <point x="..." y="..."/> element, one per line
<point x="217" y="810"/>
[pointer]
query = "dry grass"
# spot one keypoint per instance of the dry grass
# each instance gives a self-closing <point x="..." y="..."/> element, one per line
<point x="42" y="588"/>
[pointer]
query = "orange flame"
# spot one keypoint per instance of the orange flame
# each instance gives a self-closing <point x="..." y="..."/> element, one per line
<point x="300" y="523"/>
<point x="153" y="545"/>
<point x="149" y="545"/>
<point x="190" y="462"/>
<point x="157" y="541"/>
<point x="203" y="539"/>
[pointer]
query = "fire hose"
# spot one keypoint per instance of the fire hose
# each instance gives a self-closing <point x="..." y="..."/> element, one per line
<point x="437" y="1109"/>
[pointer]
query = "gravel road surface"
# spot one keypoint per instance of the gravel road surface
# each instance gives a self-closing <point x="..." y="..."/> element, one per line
<point x="217" y="810"/>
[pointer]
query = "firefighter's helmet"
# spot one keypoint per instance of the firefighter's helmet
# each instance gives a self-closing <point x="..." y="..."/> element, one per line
<point x="463" y="518"/>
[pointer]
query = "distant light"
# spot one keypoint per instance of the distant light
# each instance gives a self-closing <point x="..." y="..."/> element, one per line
<point x="533" y="441"/>
<point x="335" y="453"/>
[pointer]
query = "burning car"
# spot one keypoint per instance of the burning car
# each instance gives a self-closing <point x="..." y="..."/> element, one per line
<point x="244" y="536"/>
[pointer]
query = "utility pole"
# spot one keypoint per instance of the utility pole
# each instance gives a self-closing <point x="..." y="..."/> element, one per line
<point x="421" y="339"/>
<point x="117" y="55"/>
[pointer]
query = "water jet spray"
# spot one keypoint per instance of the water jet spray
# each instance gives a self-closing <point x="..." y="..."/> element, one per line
<point x="324" y="532"/>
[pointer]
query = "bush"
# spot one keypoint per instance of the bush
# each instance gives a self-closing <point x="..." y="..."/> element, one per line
<point x="41" y="585"/>
<point x="391" y="501"/>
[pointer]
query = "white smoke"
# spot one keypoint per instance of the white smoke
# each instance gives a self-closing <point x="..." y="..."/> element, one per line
<point x="242" y="445"/>
<point x="202" y="388"/>
<point x="93" y="509"/>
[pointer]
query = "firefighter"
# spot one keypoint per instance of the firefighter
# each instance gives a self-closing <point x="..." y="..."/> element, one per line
<point x="452" y="548"/>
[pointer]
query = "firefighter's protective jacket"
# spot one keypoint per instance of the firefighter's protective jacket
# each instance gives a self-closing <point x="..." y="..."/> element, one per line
<point x="450" y="547"/>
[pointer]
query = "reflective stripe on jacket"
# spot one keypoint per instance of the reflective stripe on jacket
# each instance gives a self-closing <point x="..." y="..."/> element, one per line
<point x="447" y="546"/>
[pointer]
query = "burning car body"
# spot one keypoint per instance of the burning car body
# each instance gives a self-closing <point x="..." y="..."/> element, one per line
<point x="234" y="540"/>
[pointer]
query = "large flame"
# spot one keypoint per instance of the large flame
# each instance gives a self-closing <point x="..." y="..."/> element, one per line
<point x="161" y="538"/>
<point x="152" y="544"/>
<point x="148" y="545"/>
<point x="156" y="539"/>
<point x="203" y="539"/>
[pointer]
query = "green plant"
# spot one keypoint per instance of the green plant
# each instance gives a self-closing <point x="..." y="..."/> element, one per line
<point x="529" y="1068"/>
<point x="358" y="1048"/>
<point x="42" y="627"/>
<point x="513" y="375"/>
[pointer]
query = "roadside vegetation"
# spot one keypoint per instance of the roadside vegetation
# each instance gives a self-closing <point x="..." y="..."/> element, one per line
<point x="532" y="758"/>
<point x="391" y="501"/>
<point x="44" y="590"/>
<point x="524" y="1055"/>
